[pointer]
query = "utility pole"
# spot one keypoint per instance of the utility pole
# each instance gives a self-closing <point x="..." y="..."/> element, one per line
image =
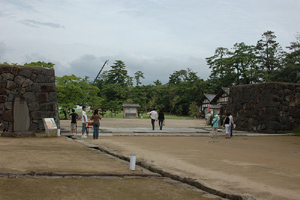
<point x="101" y="70"/>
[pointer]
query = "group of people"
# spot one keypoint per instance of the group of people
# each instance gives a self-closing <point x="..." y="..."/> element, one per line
<point x="160" y="119"/>
<point x="96" y="122"/>
<point x="227" y="123"/>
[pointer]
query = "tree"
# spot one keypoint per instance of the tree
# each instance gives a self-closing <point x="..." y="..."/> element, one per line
<point x="118" y="74"/>
<point x="72" y="91"/>
<point x="222" y="74"/>
<point x="270" y="56"/>
<point x="243" y="62"/>
<point x="194" y="110"/>
<point x="291" y="71"/>
<point x="43" y="64"/>
<point x="138" y="75"/>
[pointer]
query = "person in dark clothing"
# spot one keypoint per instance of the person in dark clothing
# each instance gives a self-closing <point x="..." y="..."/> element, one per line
<point x="161" y="118"/>
<point x="73" y="116"/>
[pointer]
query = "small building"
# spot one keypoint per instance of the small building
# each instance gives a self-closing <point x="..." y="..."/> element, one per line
<point x="206" y="103"/>
<point x="130" y="110"/>
<point x="221" y="99"/>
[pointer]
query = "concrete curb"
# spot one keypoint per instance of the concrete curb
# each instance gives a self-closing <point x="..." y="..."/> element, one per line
<point x="67" y="174"/>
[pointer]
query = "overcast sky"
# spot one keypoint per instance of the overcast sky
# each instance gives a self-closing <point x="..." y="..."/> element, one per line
<point x="157" y="37"/>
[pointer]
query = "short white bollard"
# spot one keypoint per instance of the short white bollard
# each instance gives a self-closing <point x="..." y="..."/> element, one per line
<point x="58" y="132"/>
<point x="132" y="161"/>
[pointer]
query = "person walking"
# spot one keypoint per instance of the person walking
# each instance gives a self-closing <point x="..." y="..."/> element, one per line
<point x="215" y="125"/>
<point x="226" y="125"/>
<point x="96" y="117"/>
<point x="153" y="115"/>
<point x="161" y="119"/>
<point x="84" y="121"/>
<point x="231" y="123"/>
<point x="73" y="116"/>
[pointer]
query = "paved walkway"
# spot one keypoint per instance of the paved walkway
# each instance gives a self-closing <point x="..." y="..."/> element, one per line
<point x="201" y="130"/>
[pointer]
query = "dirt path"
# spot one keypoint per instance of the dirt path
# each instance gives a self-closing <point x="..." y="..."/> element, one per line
<point x="261" y="167"/>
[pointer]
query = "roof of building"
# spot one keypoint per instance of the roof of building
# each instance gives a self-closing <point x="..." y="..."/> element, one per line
<point x="219" y="94"/>
<point x="133" y="105"/>
<point x="209" y="97"/>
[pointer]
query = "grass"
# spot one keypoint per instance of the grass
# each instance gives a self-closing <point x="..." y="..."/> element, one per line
<point x="296" y="130"/>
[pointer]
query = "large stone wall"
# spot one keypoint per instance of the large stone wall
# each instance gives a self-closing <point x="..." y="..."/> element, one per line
<point x="267" y="107"/>
<point x="33" y="86"/>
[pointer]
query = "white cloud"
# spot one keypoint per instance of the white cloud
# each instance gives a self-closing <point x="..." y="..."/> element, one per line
<point x="157" y="37"/>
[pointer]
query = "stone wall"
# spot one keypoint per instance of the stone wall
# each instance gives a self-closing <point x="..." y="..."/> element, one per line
<point x="33" y="86"/>
<point x="267" y="107"/>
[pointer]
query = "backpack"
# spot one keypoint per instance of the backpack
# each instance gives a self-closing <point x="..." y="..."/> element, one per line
<point x="226" y="120"/>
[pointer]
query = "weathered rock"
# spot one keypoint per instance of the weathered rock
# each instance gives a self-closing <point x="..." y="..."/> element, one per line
<point x="36" y="86"/>
<point x="19" y="80"/>
<point x="268" y="107"/>
<point x="7" y="115"/>
<point x="42" y="97"/>
<point x="27" y="83"/>
<point x="8" y="76"/>
<point x="11" y="85"/>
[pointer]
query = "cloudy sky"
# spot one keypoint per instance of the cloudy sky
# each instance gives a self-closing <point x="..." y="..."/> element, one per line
<point x="157" y="37"/>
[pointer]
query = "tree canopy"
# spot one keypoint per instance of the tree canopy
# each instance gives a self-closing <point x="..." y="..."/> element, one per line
<point x="264" y="61"/>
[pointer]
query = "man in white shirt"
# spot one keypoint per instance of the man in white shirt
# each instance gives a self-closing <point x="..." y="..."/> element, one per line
<point x="153" y="115"/>
<point x="84" y="121"/>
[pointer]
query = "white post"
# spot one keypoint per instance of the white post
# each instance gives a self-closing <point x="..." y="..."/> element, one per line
<point x="132" y="161"/>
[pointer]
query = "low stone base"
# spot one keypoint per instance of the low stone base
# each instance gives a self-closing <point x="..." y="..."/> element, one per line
<point x="18" y="134"/>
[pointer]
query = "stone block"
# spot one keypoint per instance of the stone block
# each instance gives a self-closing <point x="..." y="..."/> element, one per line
<point x="52" y="97"/>
<point x="33" y="106"/>
<point x="8" y="76"/>
<point x="8" y="105"/>
<point x="48" y="106"/>
<point x="33" y="77"/>
<point x="11" y="85"/>
<point x="19" y="80"/>
<point x="26" y="72"/>
<point x="40" y="78"/>
<point x="48" y="88"/>
<point x="27" y="83"/>
<point x="4" y="91"/>
<point x="3" y="98"/>
<point x="42" y="97"/>
<point x="48" y="72"/>
<point x="12" y="95"/>
<point x="36" y="87"/>
<point x="21" y="90"/>
<point x="7" y="116"/>
<point x="30" y="97"/>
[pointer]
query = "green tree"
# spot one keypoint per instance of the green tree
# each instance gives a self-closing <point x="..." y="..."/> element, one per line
<point x="222" y="74"/>
<point x="118" y="74"/>
<point x="43" y="64"/>
<point x="243" y="62"/>
<point x="270" y="55"/>
<point x="194" y="109"/>
<point x="138" y="75"/>
<point x="291" y="71"/>
<point x="72" y="91"/>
